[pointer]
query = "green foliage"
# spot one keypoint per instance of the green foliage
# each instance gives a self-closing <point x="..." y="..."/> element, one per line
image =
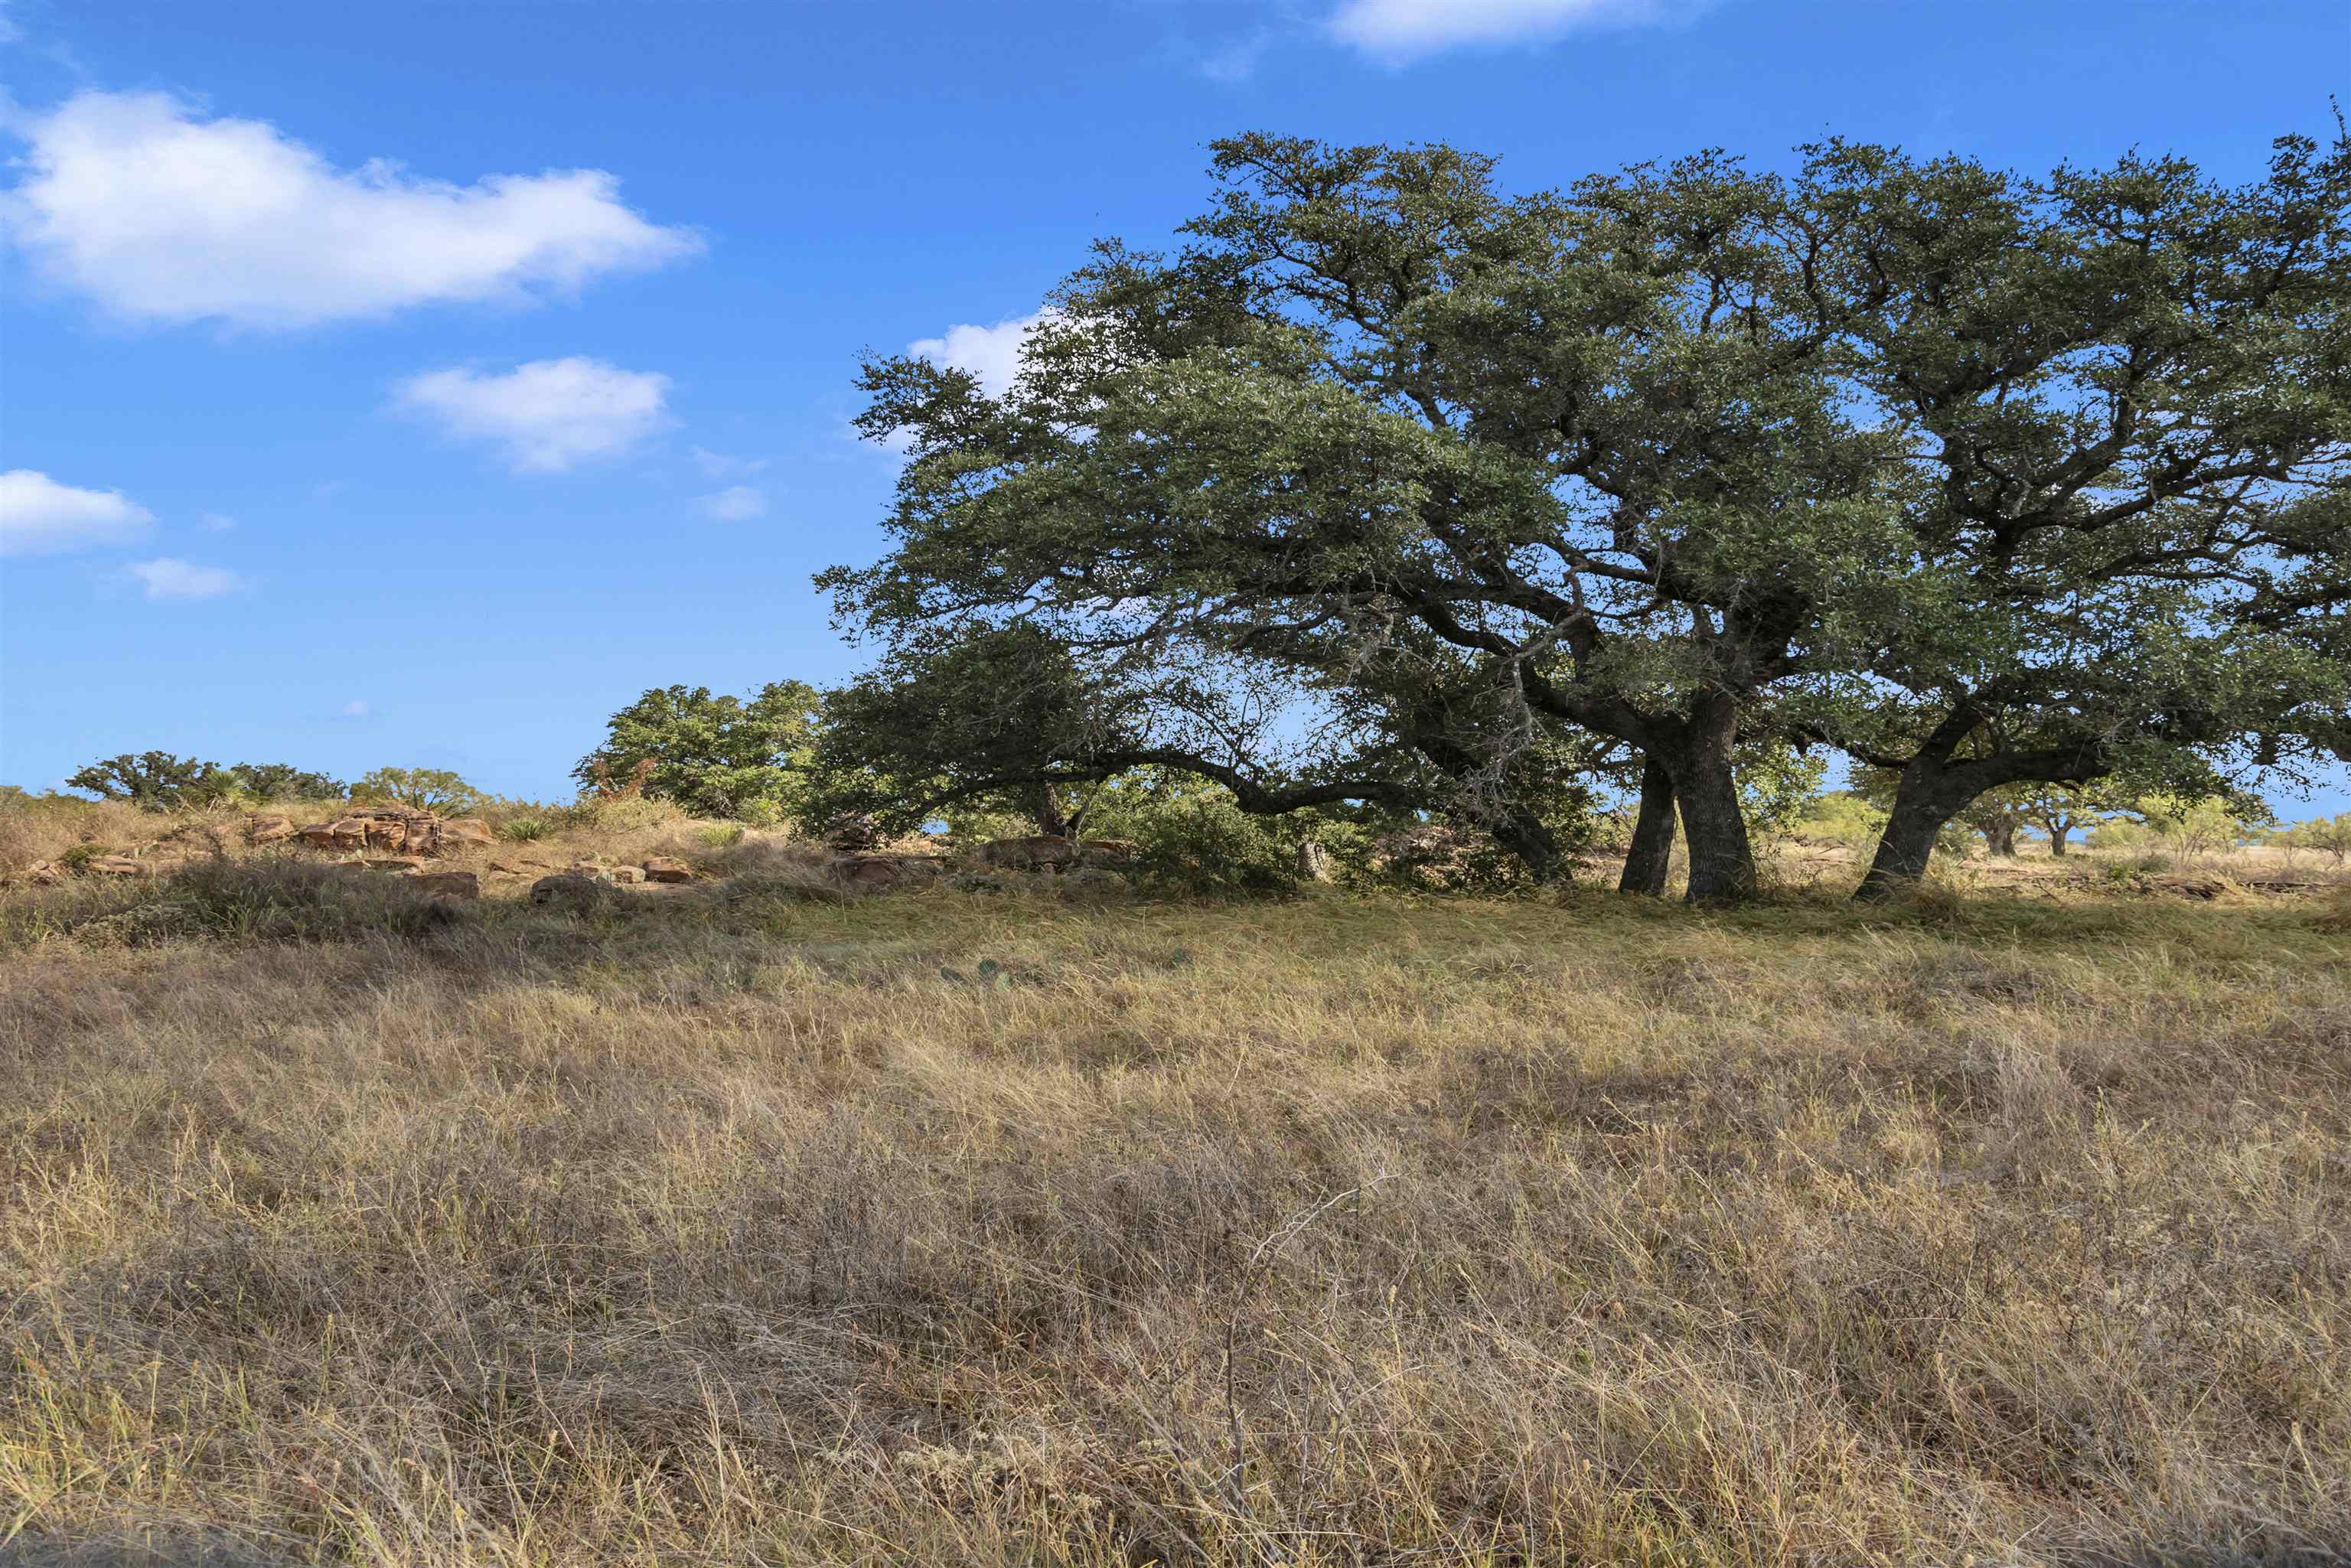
<point x="719" y="835"/>
<point x="1882" y="450"/>
<point x="424" y="788"/>
<point x="157" y="780"/>
<point x="713" y="756"/>
<point x="1198" y="841"/>
<point x="2200" y="826"/>
<point x="272" y="781"/>
<point x="163" y="782"/>
<point x="2328" y="835"/>
<point x="1842" y="817"/>
<point x="526" y="829"/>
<point x="1777" y="784"/>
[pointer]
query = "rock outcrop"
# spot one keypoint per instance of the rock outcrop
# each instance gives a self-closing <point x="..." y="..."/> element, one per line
<point x="379" y="828"/>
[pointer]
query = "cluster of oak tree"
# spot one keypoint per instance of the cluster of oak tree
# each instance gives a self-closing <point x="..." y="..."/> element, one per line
<point x="1390" y="492"/>
<point x="1390" y="487"/>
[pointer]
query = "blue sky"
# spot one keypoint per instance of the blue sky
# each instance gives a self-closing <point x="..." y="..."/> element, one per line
<point x="416" y="383"/>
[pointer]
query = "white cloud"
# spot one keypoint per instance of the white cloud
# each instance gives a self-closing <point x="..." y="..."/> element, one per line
<point x="355" y="709"/>
<point x="719" y="465"/>
<point x="549" y="413"/>
<point x="1235" y="61"/>
<point x="171" y="578"/>
<point x="161" y="216"/>
<point x="736" y="504"/>
<point x="1400" y="30"/>
<point x="217" y="522"/>
<point x="991" y="353"/>
<point x="40" y="516"/>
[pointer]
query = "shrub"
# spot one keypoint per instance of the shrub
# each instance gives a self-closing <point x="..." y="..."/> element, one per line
<point x="719" y="835"/>
<point x="526" y="829"/>
<point x="1204" y="843"/>
<point x="2329" y="836"/>
<point x="156" y="780"/>
<point x="424" y="788"/>
<point x="271" y="901"/>
<point x="714" y="756"/>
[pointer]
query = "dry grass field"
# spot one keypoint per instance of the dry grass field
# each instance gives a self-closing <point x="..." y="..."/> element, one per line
<point x="734" y="1227"/>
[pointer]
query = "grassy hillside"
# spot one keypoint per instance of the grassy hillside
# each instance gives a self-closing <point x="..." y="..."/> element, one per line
<point x="734" y="1228"/>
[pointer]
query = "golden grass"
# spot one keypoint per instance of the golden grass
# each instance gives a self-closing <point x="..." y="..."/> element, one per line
<point x="1345" y="1231"/>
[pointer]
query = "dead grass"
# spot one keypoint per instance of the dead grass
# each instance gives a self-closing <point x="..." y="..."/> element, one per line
<point x="1347" y="1230"/>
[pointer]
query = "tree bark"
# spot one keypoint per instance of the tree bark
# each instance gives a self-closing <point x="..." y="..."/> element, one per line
<point x="2057" y="832"/>
<point x="2001" y="839"/>
<point x="1907" y="845"/>
<point x="1722" y="861"/>
<point x="1523" y="834"/>
<point x="1652" y="851"/>
<point x="1050" y="822"/>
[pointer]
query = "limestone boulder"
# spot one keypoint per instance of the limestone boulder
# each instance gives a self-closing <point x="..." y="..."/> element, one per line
<point x="569" y="890"/>
<point x="268" y="829"/>
<point x="662" y="868"/>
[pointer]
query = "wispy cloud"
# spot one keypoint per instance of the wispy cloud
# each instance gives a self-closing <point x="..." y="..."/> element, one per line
<point x="40" y="516"/>
<point x="736" y="504"/>
<point x="1398" y="31"/>
<point x="158" y="213"/>
<point x="1235" y="61"/>
<point x="355" y="709"/>
<point x="719" y="465"/>
<point x="549" y="414"/>
<point x="218" y="522"/>
<point x="168" y="578"/>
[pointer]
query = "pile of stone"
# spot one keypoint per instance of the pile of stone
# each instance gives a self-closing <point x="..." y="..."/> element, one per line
<point x="384" y="828"/>
<point x="587" y="878"/>
<point x="48" y="874"/>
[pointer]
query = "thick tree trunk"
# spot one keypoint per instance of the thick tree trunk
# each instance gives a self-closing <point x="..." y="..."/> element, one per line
<point x="1906" y="846"/>
<point x="1049" y="820"/>
<point x="1522" y="833"/>
<point x="1722" y="861"/>
<point x="2001" y="837"/>
<point x="1652" y="851"/>
<point x="2057" y="832"/>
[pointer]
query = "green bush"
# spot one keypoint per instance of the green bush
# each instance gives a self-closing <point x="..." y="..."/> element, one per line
<point x="526" y="830"/>
<point x="423" y="789"/>
<point x="270" y="901"/>
<point x="1206" y="844"/>
<point x="714" y="756"/>
<point x="720" y="835"/>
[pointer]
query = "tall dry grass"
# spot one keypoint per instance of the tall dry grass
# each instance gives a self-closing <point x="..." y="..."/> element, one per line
<point x="749" y="1230"/>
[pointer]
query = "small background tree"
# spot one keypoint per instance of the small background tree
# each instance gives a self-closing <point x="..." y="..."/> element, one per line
<point x="743" y="757"/>
<point x="424" y="788"/>
<point x="157" y="780"/>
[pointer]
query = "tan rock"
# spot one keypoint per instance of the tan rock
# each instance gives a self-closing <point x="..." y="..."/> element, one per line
<point x="462" y="833"/>
<point x="118" y="865"/>
<point x="267" y="830"/>
<point x="625" y="873"/>
<point x="1032" y="853"/>
<point x="393" y="862"/>
<point x="661" y="868"/>
<point x="568" y="887"/>
<point x="449" y="884"/>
